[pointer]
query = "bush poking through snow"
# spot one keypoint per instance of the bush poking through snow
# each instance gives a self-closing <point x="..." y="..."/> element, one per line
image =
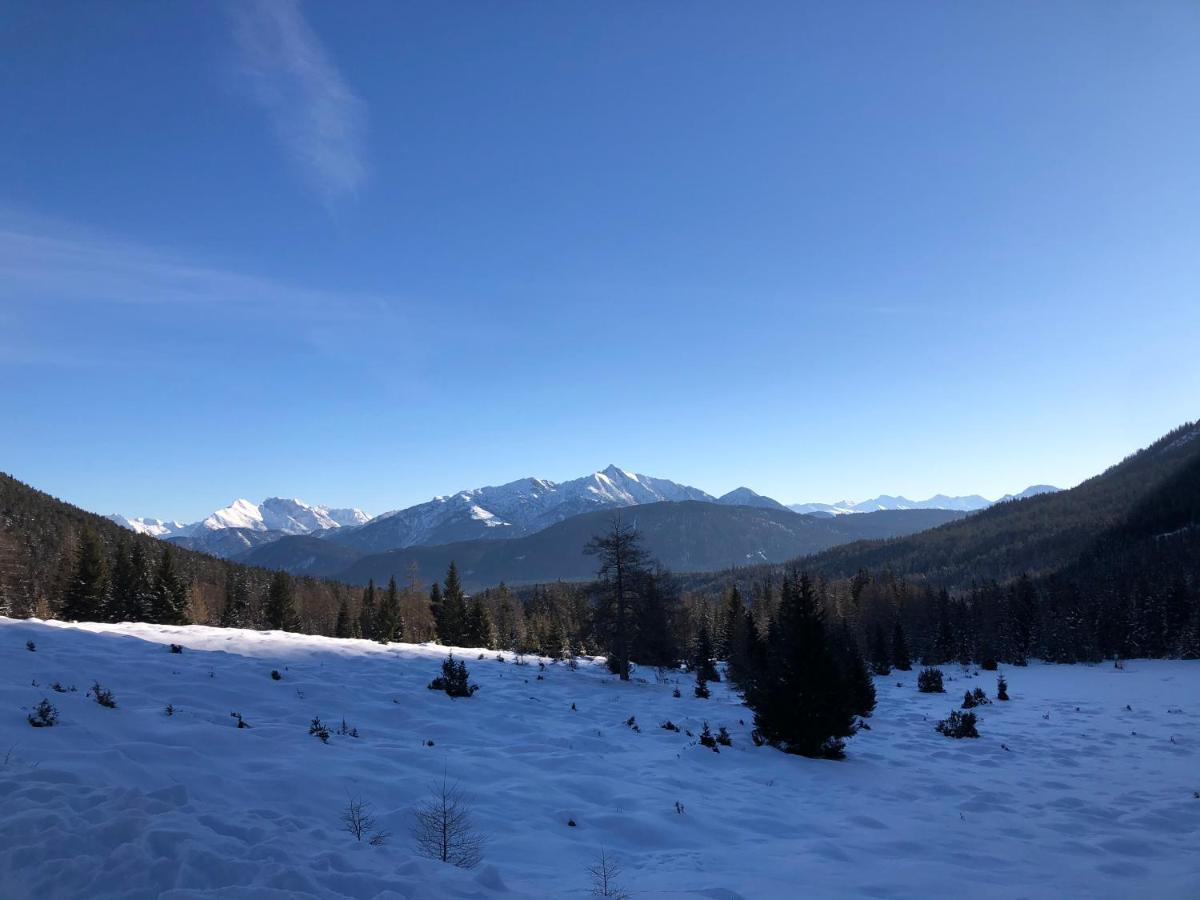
<point x="58" y="688"/>
<point x="317" y="729"/>
<point x="676" y="693"/>
<point x="102" y="695"/>
<point x="444" y="829"/>
<point x="176" y="648"/>
<point x="1001" y="688"/>
<point x="241" y="723"/>
<point x="723" y="737"/>
<point x="275" y="676"/>
<point x="707" y="739"/>
<point x="44" y="715"/>
<point x="31" y="646"/>
<point x="958" y="725"/>
<point x="605" y="873"/>
<point x="345" y="730"/>
<point x="454" y="679"/>
<point x="669" y="726"/>
<point x="358" y="821"/>
<point x="170" y="710"/>
<point x="929" y="681"/>
<point x="701" y="687"/>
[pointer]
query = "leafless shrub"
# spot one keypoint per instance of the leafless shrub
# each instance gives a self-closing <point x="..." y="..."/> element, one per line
<point x="605" y="871"/>
<point x="444" y="829"/>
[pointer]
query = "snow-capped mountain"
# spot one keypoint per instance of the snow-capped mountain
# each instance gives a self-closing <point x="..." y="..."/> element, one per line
<point x="968" y="503"/>
<point x="514" y="509"/>
<point x="274" y="514"/>
<point x="153" y="527"/>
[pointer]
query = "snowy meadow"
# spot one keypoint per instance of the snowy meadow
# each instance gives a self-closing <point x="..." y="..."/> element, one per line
<point x="1084" y="784"/>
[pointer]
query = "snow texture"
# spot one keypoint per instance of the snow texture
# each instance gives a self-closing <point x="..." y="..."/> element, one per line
<point x="1082" y="786"/>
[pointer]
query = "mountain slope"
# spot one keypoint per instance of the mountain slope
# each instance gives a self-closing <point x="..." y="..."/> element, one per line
<point x="1038" y="535"/>
<point x="743" y="496"/>
<point x="510" y="510"/>
<point x="686" y="536"/>
<point x="275" y="515"/>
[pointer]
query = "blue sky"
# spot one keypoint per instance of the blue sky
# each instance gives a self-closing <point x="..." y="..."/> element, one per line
<point x="366" y="254"/>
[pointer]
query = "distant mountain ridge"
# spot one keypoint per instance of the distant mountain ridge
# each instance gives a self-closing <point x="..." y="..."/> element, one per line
<point x="968" y="503"/>
<point x="275" y="514"/>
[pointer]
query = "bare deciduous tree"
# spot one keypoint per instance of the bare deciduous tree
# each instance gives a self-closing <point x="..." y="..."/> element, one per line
<point x="444" y="829"/>
<point x="605" y="872"/>
<point x="358" y="821"/>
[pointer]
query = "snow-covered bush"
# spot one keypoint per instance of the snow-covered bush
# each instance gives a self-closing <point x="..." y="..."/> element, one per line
<point x="929" y="681"/>
<point x="44" y="715"/>
<point x="317" y="728"/>
<point x="102" y="695"/>
<point x="1001" y="688"/>
<point x="958" y="725"/>
<point x="454" y="679"/>
<point x="723" y="737"/>
<point x="707" y="739"/>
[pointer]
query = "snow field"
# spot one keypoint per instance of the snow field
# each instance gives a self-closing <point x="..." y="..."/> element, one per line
<point x="1095" y="795"/>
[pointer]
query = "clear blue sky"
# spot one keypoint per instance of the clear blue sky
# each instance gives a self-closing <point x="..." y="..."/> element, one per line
<point x="365" y="254"/>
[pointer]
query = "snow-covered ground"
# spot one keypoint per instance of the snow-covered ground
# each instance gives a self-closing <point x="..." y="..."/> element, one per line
<point x="1093" y="797"/>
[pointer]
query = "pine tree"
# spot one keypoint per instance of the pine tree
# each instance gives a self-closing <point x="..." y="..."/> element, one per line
<point x="122" y="586"/>
<point x="86" y="596"/>
<point x="1022" y="619"/>
<point x="653" y="641"/>
<point x="479" y="631"/>
<point x="368" y="613"/>
<point x="168" y="604"/>
<point x="236" y="612"/>
<point x="621" y="573"/>
<point x="729" y="619"/>
<point x="435" y="607"/>
<point x="389" y="626"/>
<point x="742" y="649"/>
<point x="139" y="600"/>
<point x="702" y="655"/>
<point x="856" y="677"/>
<point x="281" y="612"/>
<point x="881" y="654"/>
<point x="799" y="701"/>
<point x="901" y="657"/>
<point x="343" y="626"/>
<point x="453" y="608"/>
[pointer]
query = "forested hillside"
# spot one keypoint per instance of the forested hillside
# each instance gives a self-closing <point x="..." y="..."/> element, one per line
<point x="46" y="545"/>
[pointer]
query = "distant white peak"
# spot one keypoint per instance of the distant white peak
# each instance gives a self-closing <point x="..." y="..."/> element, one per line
<point x="241" y="513"/>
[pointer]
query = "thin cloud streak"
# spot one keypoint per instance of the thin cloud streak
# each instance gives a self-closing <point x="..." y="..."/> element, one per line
<point x="317" y="117"/>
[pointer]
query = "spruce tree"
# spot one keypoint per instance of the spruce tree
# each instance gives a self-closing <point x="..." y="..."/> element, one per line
<point x="901" y="656"/>
<point x="453" y="619"/>
<point x="86" y="596"/>
<point x="622" y="576"/>
<point x="799" y="701"/>
<point x="702" y="655"/>
<point x="122" y="586"/>
<point x="856" y="677"/>
<point x="368" y="613"/>
<point x="479" y="631"/>
<point x="881" y="654"/>
<point x="168" y="605"/>
<point x="140" y="599"/>
<point x="389" y="626"/>
<point x="729" y="620"/>
<point x="653" y="642"/>
<point x="343" y="627"/>
<point x="281" y="611"/>
<point x="236" y="612"/>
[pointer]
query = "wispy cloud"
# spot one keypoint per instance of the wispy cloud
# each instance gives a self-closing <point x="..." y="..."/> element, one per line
<point x="47" y="266"/>
<point x="318" y="118"/>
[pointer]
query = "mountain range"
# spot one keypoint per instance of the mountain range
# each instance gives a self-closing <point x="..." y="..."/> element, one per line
<point x="516" y="509"/>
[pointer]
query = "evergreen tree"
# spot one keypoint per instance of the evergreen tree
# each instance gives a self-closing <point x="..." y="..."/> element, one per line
<point x="1022" y="619"/>
<point x="388" y="624"/>
<point x="856" y="677"/>
<point x="368" y="612"/>
<point x="451" y="612"/>
<point x="881" y="654"/>
<point x="653" y="642"/>
<point x="122" y="586"/>
<point x="742" y="649"/>
<point x="281" y="612"/>
<point x="479" y="631"/>
<point x="236" y="612"/>
<point x="901" y="657"/>
<point x="799" y="701"/>
<point x="508" y="625"/>
<point x="139" y="597"/>
<point x="702" y="655"/>
<point x="168" y="604"/>
<point x="729" y="621"/>
<point x="86" y="596"/>
<point x="343" y="627"/>
<point x="621" y="574"/>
